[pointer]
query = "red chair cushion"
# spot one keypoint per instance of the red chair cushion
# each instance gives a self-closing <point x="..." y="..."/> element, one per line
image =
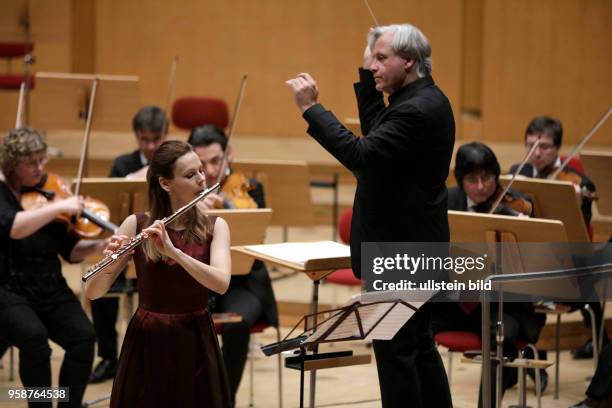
<point x="13" y="50"/>
<point x="458" y="340"/>
<point x="575" y="163"/>
<point x="193" y="111"/>
<point x="344" y="226"/>
<point x="258" y="327"/>
<point x="343" y="277"/>
<point x="9" y="81"/>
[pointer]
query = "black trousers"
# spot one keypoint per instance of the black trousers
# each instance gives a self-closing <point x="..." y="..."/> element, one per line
<point x="236" y="336"/>
<point x="104" y="312"/>
<point x="410" y="370"/>
<point x="30" y="325"/>
<point x="601" y="384"/>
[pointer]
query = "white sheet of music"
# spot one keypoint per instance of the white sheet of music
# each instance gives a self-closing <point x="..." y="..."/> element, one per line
<point x="371" y="314"/>
<point x="300" y="252"/>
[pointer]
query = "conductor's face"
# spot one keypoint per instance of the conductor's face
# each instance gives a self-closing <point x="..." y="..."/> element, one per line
<point x="389" y="69"/>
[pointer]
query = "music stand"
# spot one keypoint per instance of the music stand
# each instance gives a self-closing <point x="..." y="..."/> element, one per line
<point x="467" y="227"/>
<point x="247" y="227"/>
<point x="369" y="316"/>
<point x="554" y="200"/>
<point x="287" y="187"/>
<point x="315" y="259"/>
<point x="598" y="165"/>
<point x="62" y="99"/>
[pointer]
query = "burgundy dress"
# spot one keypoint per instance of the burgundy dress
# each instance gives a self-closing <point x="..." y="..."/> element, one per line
<point x="170" y="355"/>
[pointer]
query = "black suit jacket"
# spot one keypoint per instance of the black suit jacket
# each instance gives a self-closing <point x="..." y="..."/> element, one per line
<point x="457" y="200"/>
<point x="126" y="164"/>
<point x="258" y="280"/>
<point x="585" y="205"/>
<point x="400" y="164"/>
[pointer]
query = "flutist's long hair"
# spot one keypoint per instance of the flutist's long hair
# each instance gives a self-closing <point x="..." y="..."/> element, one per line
<point x="198" y="226"/>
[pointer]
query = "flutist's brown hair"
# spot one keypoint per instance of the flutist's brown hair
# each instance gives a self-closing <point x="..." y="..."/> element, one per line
<point x="198" y="226"/>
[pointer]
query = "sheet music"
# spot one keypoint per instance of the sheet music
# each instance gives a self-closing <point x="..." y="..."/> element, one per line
<point x="300" y="252"/>
<point x="398" y="314"/>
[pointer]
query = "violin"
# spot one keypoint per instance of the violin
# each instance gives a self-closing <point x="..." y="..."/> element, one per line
<point x="236" y="189"/>
<point x="565" y="175"/>
<point x="93" y="219"/>
<point x="508" y="205"/>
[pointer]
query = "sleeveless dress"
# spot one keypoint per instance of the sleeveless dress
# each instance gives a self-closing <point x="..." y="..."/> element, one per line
<point x="170" y="355"/>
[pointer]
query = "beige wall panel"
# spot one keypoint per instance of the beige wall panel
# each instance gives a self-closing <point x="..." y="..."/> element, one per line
<point x="547" y="57"/>
<point x="471" y="76"/>
<point x="272" y="41"/>
<point x="50" y="24"/>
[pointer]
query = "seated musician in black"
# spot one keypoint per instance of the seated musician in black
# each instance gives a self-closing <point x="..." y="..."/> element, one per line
<point x="150" y="129"/>
<point x="36" y="304"/>
<point x="599" y="393"/>
<point x="544" y="161"/>
<point x="477" y="173"/>
<point x="251" y="296"/>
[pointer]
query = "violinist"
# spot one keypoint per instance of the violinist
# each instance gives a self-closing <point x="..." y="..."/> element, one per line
<point x="251" y="296"/>
<point x="477" y="173"/>
<point x="544" y="161"/>
<point x="150" y="130"/>
<point x="36" y="304"/>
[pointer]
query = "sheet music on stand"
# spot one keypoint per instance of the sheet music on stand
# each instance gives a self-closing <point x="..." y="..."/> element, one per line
<point x="368" y="316"/>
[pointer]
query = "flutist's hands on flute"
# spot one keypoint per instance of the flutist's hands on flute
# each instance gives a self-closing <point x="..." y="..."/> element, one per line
<point x="115" y="242"/>
<point x="159" y="236"/>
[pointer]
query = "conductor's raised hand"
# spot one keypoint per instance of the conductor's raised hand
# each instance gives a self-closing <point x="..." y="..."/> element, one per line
<point x="368" y="58"/>
<point x="305" y="91"/>
<point x="158" y="234"/>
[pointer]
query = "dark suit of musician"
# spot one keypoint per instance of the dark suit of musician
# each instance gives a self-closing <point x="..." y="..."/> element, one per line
<point x="104" y="311"/>
<point x="252" y="297"/>
<point x="401" y="165"/>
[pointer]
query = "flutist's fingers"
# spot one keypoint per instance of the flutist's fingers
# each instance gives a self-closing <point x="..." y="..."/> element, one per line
<point x="116" y="242"/>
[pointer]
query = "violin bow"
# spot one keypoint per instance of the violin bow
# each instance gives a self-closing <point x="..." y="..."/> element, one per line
<point x="232" y="125"/>
<point x="171" y="83"/>
<point x="518" y="170"/>
<point x="85" y="145"/>
<point x="371" y="13"/>
<point x="580" y="145"/>
<point x="18" y="120"/>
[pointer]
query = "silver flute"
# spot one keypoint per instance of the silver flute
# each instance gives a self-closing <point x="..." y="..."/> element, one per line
<point x="110" y="259"/>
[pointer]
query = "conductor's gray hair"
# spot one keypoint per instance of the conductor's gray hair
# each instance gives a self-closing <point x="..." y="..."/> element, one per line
<point x="409" y="43"/>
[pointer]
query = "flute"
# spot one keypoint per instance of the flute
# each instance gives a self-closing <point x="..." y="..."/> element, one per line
<point x="110" y="259"/>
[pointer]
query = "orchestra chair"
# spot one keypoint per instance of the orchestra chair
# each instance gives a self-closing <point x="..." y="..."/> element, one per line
<point x="258" y="327"/>
<point x="189" y="112"/>
<point x="343" y="277"/>
<point x="10" y="50"/>
<point x="462" y="341"/>
<point x="457" y="341"/>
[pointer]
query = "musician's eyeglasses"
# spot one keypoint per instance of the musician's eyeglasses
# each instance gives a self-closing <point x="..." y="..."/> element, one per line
<point x="542" y="146"/>
<point x="41" y="161"/>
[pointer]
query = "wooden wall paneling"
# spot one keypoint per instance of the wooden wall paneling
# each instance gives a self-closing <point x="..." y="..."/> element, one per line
<point x="272" y="41"/>
<point x="546" y="57"/>
<point x="50" y="25"/>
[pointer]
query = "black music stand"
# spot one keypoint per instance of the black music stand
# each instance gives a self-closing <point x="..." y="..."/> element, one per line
<point x="371" y="316"/>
